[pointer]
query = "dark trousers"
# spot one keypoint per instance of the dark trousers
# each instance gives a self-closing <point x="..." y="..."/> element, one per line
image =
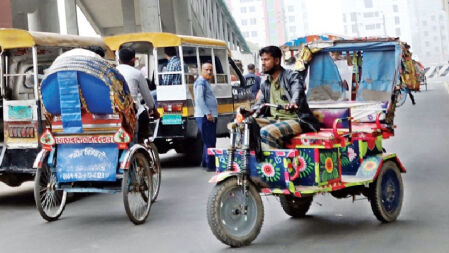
<point x="208" y="132"/>
<point x="143" y="129"/>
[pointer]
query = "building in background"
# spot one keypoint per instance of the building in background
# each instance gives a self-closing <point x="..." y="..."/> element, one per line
<point x="296" y="18"/>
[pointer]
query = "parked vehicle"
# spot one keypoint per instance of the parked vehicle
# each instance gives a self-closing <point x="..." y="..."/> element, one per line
<point x="89" y="143"/>
<point x="178" y="128"/>
<point x="345" y="158"/>
<point x="24" y="58"/>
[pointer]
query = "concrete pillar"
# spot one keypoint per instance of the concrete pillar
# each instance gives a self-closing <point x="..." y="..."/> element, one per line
<point x="45" y="18"/>
<point x="129" y="16"/>
<point x="70" y="17"/>
<point x="150" y="16"/>
<point x="183" y="17"/>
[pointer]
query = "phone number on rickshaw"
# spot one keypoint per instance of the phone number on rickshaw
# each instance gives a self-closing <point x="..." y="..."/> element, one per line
<point x="84" y="139"/>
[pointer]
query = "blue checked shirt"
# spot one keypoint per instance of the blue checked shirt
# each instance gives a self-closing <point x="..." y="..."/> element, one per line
<point x="174" y="64"/>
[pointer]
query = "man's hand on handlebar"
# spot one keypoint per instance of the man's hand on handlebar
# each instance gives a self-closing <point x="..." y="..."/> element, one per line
<point x="290" y="107"/>
<point x="154" y="114"/>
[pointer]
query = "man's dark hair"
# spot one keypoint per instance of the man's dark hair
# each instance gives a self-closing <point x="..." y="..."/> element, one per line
<point x="274" y="51"/>
<point x="251" y="66"/>
<point x="97" y="49"/>
<point x="170" y="51"/>
<point x="206" y="62"/>
<point x="126" y="54"/>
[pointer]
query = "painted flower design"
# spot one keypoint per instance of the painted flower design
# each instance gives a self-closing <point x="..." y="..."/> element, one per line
<point x="370" y="165"/>
<point x="269" y="171"/>
<point x="329" y="165"/>
<point x="302" y="166"/>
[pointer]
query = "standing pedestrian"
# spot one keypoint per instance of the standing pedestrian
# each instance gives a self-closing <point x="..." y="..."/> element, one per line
<point x="253" y="80"/>
<point x="206" y="112"/>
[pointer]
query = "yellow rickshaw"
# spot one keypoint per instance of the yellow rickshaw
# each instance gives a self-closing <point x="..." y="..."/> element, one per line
<point x="24" y="58"/>
<point x="178" y="128"/>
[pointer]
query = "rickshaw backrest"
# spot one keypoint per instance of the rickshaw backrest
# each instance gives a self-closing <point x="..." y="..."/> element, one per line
<point x="79" y="84"/>
<point x="327" y="117"/>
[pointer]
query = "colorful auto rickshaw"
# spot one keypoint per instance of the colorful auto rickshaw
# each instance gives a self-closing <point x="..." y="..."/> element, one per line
<point x="24" y="58"/>
<point x="178" y="128"/>
<point x="345" y="158"/>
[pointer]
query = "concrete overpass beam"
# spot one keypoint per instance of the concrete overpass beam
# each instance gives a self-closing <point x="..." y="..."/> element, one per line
<point x="45" y="18"/>
<point x="182" y="13"/>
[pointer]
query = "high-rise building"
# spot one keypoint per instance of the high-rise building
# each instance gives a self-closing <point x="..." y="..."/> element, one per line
<point x="296" y="18"/>
<point x="261" y="21"/>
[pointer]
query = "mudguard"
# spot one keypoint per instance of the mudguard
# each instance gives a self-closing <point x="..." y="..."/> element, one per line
<point x="223" y="176"/>
<point x="124" y="165"/>
<point x="40" y="159"/>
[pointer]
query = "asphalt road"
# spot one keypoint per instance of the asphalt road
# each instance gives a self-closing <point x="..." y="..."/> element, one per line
<point x="177" y="222"/>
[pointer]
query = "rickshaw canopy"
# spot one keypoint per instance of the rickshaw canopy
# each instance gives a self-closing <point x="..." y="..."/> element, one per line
<point x="159" y="40"/>
<point x="16" y="38"/>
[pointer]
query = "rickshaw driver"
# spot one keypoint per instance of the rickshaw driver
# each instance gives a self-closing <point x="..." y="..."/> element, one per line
<point x="283" y="87"/>
<point x="139" y="89"/>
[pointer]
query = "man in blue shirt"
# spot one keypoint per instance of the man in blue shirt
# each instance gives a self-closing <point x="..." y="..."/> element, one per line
<point x="206" y="113"/>
<point x="173" y="65"/>
<point x="253" y="80"/>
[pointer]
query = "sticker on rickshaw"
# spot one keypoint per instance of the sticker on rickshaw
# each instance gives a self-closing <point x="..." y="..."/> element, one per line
<point x="20" y="112"/>
<point x="172" y="119"/>
<point x="83" y="139"/>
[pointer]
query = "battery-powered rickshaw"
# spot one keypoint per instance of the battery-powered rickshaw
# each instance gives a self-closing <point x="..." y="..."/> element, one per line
<point x="89" y="142"/>
<point x="24" y="58"/>
<point x="345" y="158"/>
<point x="178" y="129"/>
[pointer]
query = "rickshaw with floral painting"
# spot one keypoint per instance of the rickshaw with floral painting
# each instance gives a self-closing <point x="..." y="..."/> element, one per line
<point x="89" y="144"/>
<point x="345" y="158"/>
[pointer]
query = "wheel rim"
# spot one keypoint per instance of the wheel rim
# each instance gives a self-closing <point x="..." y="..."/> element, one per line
<point x="51" y="200"/>
<point x="156" y="180"/>
<point x="237" y="218"/>
<point x="139" y="189"/>
<point x="390" y="191"/>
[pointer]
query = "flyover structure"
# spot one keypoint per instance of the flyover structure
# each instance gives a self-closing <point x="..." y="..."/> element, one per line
<point x="205" y="18"/>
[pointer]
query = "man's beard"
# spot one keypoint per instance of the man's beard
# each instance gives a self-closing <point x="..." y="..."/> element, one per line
<point x="271" y="71"/>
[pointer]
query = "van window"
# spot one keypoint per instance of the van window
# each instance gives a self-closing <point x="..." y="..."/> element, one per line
<point x="170" y="71"/>
<point x="191" y="71"/>
<point x="221" y="66"/>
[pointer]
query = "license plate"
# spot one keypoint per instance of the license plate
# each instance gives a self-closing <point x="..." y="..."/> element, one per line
<point x="20" y="112"/>
<point x="172" y="119"/>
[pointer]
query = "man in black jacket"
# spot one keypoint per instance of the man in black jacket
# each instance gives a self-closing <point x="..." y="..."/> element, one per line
<point x="283" y="87"/>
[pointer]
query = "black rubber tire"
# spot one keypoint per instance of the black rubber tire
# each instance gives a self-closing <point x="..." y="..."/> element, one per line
<point x="130" y="184"/>
<point x="157" y="174"/>
<point x="216" y="219"/>
<point x="391" y="175"/>
<point x="295" y="207"/>
<point x="44" y="191"/>
<point x="194" y="150"/>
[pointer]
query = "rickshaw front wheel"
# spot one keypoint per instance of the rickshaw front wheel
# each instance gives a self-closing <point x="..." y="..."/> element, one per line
<point x="137" y="188"/>
<point x="295" y="207"/>
<point x="387" y="193"/>
<point x="50" y="202"/>
<point x="156" y="175"/>
<point x="235" y="219"/>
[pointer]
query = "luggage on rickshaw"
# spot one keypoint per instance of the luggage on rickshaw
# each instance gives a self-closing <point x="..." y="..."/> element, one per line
<point x="90" y="144"/>
<point x="345" y="158"/>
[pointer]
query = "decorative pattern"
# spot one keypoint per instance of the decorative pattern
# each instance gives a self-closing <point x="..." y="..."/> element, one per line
<point x="269" y="171"/>
<point x="328" y="166"/>
<point x="302" y="166"/>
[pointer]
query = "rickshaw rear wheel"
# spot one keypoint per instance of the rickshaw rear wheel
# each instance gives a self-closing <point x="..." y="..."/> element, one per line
<point x="295" y="207"/>
<point x="50" y="202"/>
<point x="387" y="193"/>
<point x="156" y="175"/>
<point x="231" y="220"/>
<point x="137" y="188"/>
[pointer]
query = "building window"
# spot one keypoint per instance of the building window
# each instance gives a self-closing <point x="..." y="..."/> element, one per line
<point x="244" y="22"/>
<point x="252" y="21"/>
<point x="368" y="3"/>
<point x="426" y="33"/>
<point x="398" y="32"/>
<point x="370" y="27"/>
<point x="291" y="8"/>
<point x="433" y="18"/>
<point x="424" y="23"/>
<point x="377" y="26"/>
<point x="427" y="44"/>
<point x="396" y="20"/>
<point x="434" y="28"/>
<point x="346" y="30"/>
<point x="395" y="8"/>
<point x="253" y="34"/>
<point x="252" y="9"/>
<point x="291" y="19"/>
<point x="243" y="10"/>
<point x="344" y="18"/>
<point x="368" y="14"/>
<point x="246" y="34"/>
<point x="354" y="29"/>
<point x="292" y="29"/>
<point x="376" y="14"/>
<point x="353" y="16"/>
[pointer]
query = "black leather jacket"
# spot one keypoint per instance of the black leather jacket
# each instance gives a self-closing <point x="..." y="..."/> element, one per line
<point x="293" y="83"/>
